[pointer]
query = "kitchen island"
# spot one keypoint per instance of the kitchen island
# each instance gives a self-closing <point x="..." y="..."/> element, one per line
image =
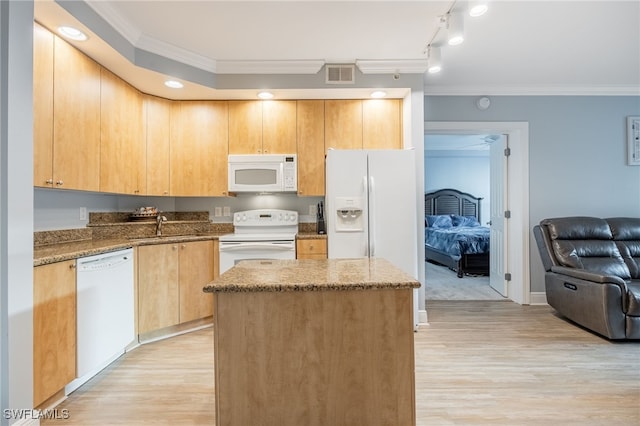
<point x="314" y="342"/>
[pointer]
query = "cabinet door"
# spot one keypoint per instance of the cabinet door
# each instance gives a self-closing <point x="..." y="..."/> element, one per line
<point x="311" y="249"/>
<point x="122" y="147"/>
<point x="382" y="124"/>
<point x="311" y="151"/>
<point x="54" y="328"/>
<point x="42" y="107"/>
<point x="196" y="271"/>
<point x="76" y="119"/>
<point x="278" y="127"/>
<point x="343" y="124"/>
<point x="199" y="148"/>
<point x="158" y="116"/>
<point x="158" y="291"/>
<point x="245" y="127"/>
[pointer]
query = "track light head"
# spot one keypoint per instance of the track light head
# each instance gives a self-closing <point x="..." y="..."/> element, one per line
<point x="434" y="60"/>
<point x="455" y="27"/>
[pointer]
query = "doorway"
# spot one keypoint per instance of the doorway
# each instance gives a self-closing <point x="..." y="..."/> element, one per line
<point x="516" y="264"/>
<point x="466" y="163"/>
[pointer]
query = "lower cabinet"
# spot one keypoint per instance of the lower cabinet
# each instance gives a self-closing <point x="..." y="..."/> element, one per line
<point x="54" y="329"/>
<point x="170" y="282"/>
<point x="311" y="249"/>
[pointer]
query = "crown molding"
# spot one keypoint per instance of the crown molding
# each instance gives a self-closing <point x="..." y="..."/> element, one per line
<point x="115" y="20"/>
<point x="269" y="67"/>
<point x="176" y="53"/>
<point x="402" y="66"/>
<point x="532" y="90"/>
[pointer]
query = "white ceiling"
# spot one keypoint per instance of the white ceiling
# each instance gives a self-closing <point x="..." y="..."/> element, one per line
<point x="518" y="47"/>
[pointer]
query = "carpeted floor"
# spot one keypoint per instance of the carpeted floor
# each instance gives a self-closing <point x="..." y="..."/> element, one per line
<point x="443" y="284"/>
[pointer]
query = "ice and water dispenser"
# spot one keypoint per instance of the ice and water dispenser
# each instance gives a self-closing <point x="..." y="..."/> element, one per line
<point x="349" y="214"/>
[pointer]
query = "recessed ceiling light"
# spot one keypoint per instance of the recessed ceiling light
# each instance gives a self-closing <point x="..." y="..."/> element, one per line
<point x="478" y="8"/>
<point x="379" y="94"/>
<point x="174" y="84"/>
<point x="72" y="33"/>
<point x="265" y="95"/>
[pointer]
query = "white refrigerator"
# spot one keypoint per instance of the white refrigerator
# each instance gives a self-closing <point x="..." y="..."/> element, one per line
<point x="370" y="207"/>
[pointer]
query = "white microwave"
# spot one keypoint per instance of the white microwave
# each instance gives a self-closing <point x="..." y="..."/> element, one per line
<point x="263" y="173"/>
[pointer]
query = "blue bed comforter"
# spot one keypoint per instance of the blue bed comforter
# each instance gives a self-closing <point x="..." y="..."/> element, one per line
<point x="458" y="240"/>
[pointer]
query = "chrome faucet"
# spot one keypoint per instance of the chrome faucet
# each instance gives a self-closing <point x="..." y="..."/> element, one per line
<point x="159" y="220"/>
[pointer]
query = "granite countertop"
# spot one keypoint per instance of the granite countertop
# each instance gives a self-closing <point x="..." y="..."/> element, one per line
<point x="311" y="275"/>
<point x="52" y="253"/>
<point x="311" y="236"/>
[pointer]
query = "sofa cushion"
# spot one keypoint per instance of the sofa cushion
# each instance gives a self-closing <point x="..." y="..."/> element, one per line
<point x="633" y="298"/>
<point x="601" y="257"/>
<point x="626" y="232"/>
<point x="578" y="228"/>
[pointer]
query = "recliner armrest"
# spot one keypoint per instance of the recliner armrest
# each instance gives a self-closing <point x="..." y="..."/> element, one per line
<point x="588" y="276"/>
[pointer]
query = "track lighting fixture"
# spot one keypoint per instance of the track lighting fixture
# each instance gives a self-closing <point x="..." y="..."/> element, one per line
<point x="455" y="27"/>
<point x="434" y="60"/>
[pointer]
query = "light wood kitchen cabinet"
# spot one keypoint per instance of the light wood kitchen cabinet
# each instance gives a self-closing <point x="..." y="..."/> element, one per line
<point x="343" y="124"/>
<point x="278" y="127"/>
<point x="158" y="303"/>
<point x="122" y="145"/>
<point x="381" y="124"/>
<point x="54" y="329"/>
<point x="76" y="119"/>
<point x="199" y="148"/>
<point x="196" y="271"/>
<point x="158" y="115"/>
<point x="262" y="127"/>
<point x="313" y="248"/>
<point x="245" y="127"/>
<point x="42" y="107"/>
<point x="311" y="150"/>
<point x="170" y="282"/>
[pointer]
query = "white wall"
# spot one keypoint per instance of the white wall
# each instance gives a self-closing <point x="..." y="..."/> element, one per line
<point x="577" y="154"/>
<point x="16" y="205"/>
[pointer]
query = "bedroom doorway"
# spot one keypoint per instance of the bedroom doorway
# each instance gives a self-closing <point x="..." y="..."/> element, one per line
<point x="515" y="191"/>
<point x="465" y="170"/>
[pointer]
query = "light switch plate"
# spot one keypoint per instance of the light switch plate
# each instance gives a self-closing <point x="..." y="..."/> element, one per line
<point x="227" y="211"/>
<point x="83" y="213"/>
<point x="217" y="212"/>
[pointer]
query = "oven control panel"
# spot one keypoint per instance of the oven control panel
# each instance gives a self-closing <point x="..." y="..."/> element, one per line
<point x="265" y="217"/>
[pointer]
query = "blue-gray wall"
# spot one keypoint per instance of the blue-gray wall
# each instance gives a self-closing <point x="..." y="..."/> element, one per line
<point x="577" y="153"/>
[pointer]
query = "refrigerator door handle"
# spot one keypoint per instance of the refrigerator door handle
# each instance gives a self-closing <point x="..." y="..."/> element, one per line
<point x="365" y="191"/>
<point x="372" y="218"/>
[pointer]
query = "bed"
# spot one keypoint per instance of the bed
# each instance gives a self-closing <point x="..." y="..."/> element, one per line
<point x="454" y="236"/>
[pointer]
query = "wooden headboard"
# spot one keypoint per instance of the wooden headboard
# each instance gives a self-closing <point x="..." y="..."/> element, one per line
<point x="451" y="201"/>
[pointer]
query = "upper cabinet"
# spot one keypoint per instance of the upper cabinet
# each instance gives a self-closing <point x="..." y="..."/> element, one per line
<point x="157" y="135"/>
<point x="42" y="107"/>
<point x="343" y="124"/>
<point x="262" y="127"/>
<point x="382" y="124"/>
<point x="199" y="148"/>
<point x="310" y="129"/>
<point x="122" y="145"/>
<point x="76" y="119"/>
<point x="278" y="127"/>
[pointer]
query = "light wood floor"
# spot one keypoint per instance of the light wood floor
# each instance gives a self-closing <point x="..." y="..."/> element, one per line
<point x="477" y="362"/>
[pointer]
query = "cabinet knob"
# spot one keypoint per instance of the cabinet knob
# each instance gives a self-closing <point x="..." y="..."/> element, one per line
<point x="49" y="182"/>
<point x="136" y="191"/>
<point x="72" y="266"/>
<point x="59" y="183"/>
<point x="184" y="247"/>
<point x="174" y="247"/>
<point x="165" y="192"/>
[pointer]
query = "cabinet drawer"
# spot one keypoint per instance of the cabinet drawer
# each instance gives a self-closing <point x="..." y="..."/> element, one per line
<point x="311" y="249"/>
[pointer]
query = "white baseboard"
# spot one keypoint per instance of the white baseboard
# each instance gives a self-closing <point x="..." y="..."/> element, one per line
<point x="538" y="298"/>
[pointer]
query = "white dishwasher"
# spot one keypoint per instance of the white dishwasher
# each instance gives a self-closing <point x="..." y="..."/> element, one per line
<point x="105" y="311"/>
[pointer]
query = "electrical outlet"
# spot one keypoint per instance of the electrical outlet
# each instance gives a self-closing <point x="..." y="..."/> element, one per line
<point x="313" y="209"/>
<point x="83" y="213"/>
<point x="217" y="212"/>
<point x="227" y="211"/>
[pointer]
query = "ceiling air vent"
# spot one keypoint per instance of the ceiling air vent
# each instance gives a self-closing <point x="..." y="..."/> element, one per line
<point x="341" y="74"/>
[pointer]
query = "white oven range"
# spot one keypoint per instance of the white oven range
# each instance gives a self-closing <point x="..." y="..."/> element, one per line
<point x="259" y="234"/>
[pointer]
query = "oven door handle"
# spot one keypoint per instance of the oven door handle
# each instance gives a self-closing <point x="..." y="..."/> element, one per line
<point x="261" y="246"/>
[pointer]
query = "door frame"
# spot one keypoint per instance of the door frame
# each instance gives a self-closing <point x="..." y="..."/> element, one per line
<point x="519" y="288"/>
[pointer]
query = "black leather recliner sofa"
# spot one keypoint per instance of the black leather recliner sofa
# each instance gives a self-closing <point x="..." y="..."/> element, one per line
<point x="593" y="272"/>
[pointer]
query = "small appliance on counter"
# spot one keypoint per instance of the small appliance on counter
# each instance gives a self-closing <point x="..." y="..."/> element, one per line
<point x="144" y="214"/>
<point x="321" y="227"/>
